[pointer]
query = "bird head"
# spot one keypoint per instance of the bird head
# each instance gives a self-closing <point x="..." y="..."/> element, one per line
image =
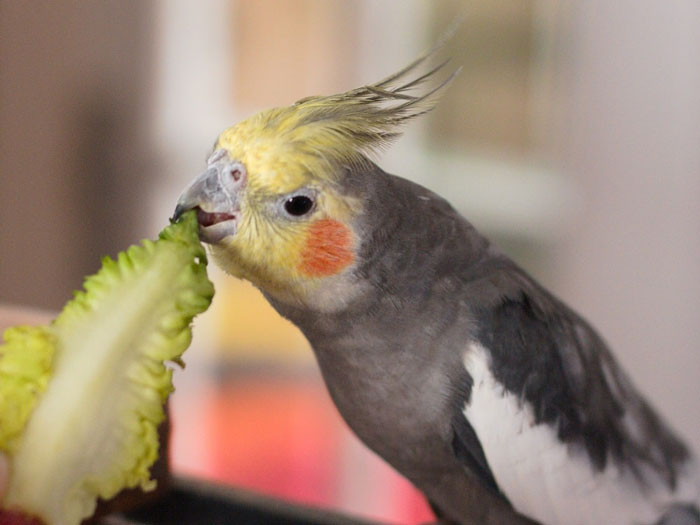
<point x="274" y="202"/>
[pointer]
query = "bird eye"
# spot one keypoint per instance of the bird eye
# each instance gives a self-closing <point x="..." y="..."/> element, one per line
<point x="298" y="205"/>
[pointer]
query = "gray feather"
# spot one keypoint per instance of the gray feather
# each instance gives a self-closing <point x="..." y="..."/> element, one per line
<point x="392" y="359"/>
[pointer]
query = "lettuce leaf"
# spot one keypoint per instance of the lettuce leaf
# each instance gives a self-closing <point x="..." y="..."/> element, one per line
<point x="81" y="399"/>
<point x="25" y="370"/>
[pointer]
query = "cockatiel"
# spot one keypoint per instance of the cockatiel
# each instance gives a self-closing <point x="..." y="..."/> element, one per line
<point x="495" y="399"/>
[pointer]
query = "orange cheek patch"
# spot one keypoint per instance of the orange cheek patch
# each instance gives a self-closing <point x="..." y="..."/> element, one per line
<point x="328" y="249"/>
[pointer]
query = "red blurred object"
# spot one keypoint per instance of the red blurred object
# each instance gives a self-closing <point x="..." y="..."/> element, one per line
<point x="283" y="437"/>
<point x="16" y="517"/>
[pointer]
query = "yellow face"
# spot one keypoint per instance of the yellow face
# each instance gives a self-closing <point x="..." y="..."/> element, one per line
<point x="293" y="228"/>
<point x="271" y="202"/>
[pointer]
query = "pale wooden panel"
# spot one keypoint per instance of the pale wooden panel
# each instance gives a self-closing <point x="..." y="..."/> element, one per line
<point x="284" y="51"/>
<point x="490" y="103"/>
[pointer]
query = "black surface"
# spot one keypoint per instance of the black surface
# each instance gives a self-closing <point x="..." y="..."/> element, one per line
<point x="195" y="503"/>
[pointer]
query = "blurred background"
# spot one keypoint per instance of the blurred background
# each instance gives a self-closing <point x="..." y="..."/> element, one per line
<point x="571" y="137"/>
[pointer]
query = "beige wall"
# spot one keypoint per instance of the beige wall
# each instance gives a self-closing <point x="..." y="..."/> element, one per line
<point x="73" y="153"/>
<point x="631" y="139"/>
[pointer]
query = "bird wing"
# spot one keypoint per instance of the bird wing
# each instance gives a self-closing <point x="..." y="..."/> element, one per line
<point x="561" y="430"/>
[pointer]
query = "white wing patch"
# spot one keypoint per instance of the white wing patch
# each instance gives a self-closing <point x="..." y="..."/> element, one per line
<point x="544" y="478"/>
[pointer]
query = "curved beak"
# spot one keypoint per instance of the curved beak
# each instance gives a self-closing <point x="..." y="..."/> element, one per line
<point x="216" y="197"/>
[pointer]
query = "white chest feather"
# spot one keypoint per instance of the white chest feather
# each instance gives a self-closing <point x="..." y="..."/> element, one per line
<point x="544" y="478"/>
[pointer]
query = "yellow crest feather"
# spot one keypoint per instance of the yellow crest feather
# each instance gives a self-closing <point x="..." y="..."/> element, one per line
<point x="317" y="132"/>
